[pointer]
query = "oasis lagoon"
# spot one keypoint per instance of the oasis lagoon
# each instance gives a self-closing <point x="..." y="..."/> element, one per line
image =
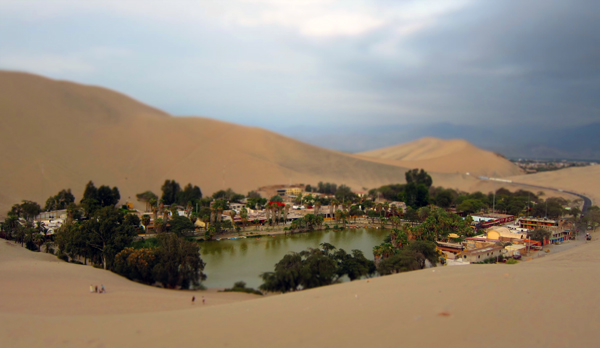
<point x="229" y="261"/>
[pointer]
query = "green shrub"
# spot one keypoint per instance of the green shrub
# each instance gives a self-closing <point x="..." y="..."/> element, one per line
<point x="511" y="262"/>
<point x="241" y="287"/>
<point x="63" y="257"/>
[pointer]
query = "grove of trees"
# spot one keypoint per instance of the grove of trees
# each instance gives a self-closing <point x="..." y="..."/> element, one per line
<point x="315" y="267"/>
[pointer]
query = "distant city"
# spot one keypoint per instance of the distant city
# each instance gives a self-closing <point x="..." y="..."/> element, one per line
<point x="545" y="165"/>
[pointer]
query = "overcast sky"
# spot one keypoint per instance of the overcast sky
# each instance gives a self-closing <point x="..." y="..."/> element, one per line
<point x="281" y="63"/>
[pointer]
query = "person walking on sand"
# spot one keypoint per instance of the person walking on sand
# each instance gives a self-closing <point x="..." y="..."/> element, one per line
<point x="96" y="291"/>
<point x="91" y="288"/>
<point x="193" y="299"/>
<point x="203" y="300"/>
<point x="103" y="289"/>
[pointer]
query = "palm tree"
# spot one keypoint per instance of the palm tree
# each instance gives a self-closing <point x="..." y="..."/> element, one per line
<point x="396" y="221"/>
<point x="159" y="224"/>
<point x="145" y="221"/>
<point x="280" y="211"/>
<point x="189" y="209"/>
<point x="165" y="215"/>
<point x="38" y="240"/>
<point x="232" y="214"/>
<point x="377" y="253"/>
<point x="154" y="209"/>
<point x="286" y="211"/>
<point x="317" y="207"/>
<point x="244" y="216"/>
<point x="393" y="210"/>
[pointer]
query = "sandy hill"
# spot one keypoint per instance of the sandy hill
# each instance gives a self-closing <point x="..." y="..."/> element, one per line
<point x="58" y="135"/>
<point x="583" y="180"/>
<point x="445" y="156"/>
<point x="46" y="303"/>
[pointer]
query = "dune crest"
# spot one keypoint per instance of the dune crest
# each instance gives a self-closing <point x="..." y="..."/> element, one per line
<point x="445" y="156"/>
<point x="57" y="135"/>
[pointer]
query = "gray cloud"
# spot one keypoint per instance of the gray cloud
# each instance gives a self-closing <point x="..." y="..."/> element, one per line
<point x="280" y="64"/>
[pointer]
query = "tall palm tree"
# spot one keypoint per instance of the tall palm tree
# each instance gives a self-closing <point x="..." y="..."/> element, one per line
<point x="393" y="210"/>
<point x="244" y="216"/>
<point x="159" y="224"/>
<point x="232" y="214"/>
<point x="145" y="220"/>
<point x="154" y="209"/>
<point x="188" y="209"/>
<point x="317" y="207"/>
<point x="280" y="209"/>
<point x="286" y="211"/>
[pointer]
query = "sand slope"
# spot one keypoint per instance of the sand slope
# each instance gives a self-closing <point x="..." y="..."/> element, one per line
<point x="584" y="180"/>
<point x="446" y="156"/>
<point x="548" y="302"/>
<point x="58" y="135"/>
<point x="41" y="284"/>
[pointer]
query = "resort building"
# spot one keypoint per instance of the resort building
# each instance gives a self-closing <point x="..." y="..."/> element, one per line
<point x="504" y="234"/>
<point x="481" y="254"/>
<point x="535" y="223"/>
<point x="489" y="220"/>
<point x="54" y="214"/>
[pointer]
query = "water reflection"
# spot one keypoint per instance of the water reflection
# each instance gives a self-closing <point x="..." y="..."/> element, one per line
<point x="229" y="261"/>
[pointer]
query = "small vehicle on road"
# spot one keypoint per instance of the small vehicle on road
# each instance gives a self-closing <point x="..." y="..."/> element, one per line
<point x="588" y="236"/>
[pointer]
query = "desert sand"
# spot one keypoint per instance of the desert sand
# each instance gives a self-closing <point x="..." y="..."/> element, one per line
<point x="582" y="180"/>
<point x="57" y="135"/>
<point x="548" y="302"/>
<point x="446" y="156"/>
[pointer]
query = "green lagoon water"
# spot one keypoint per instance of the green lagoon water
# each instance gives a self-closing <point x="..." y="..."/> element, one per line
<point x="228" y="261"/>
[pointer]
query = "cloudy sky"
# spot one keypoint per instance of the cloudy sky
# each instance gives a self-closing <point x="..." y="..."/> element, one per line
<point x="283" y="63"/>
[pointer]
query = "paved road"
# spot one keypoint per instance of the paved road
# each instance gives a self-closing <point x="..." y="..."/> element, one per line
<point x="587" y="202"/>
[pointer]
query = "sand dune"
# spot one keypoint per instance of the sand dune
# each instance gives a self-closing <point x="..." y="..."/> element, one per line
<point x="584" y="180"/>
<point x="59" y="135"/>
<point x="445" y="156"/>
<point x="41" y="284"/>
<point x="548" y="302"/>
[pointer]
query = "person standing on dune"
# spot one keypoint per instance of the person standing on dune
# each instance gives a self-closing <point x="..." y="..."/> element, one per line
<point x="91" y="288"/>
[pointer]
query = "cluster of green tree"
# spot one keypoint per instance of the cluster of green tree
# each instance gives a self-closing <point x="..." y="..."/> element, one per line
<point x="326" y="188"/>
<point x="255" y="201"/>
<point x="552" y="208"/>
<point x="99" y="238"/>
<point x="97" y="198"/>
<point x="409" y="257"/>
<point x="308" y="222"/>
<point x="60" y="201"/>
<point x="173" y="194"/>
<point x="228" y="195"/>
<point x="539" y="234"/>
<point x="409" y="247"/>
<point x="27" y="210"/>
<point x="592" y="216"/>
<point x="315" y="267"/>
<point x="505" y="201"/>
<point x="241" y="287"/>
<point x="415" y="193"/>
<point x="19" y="226"/>
<point x="171" y="261"/>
